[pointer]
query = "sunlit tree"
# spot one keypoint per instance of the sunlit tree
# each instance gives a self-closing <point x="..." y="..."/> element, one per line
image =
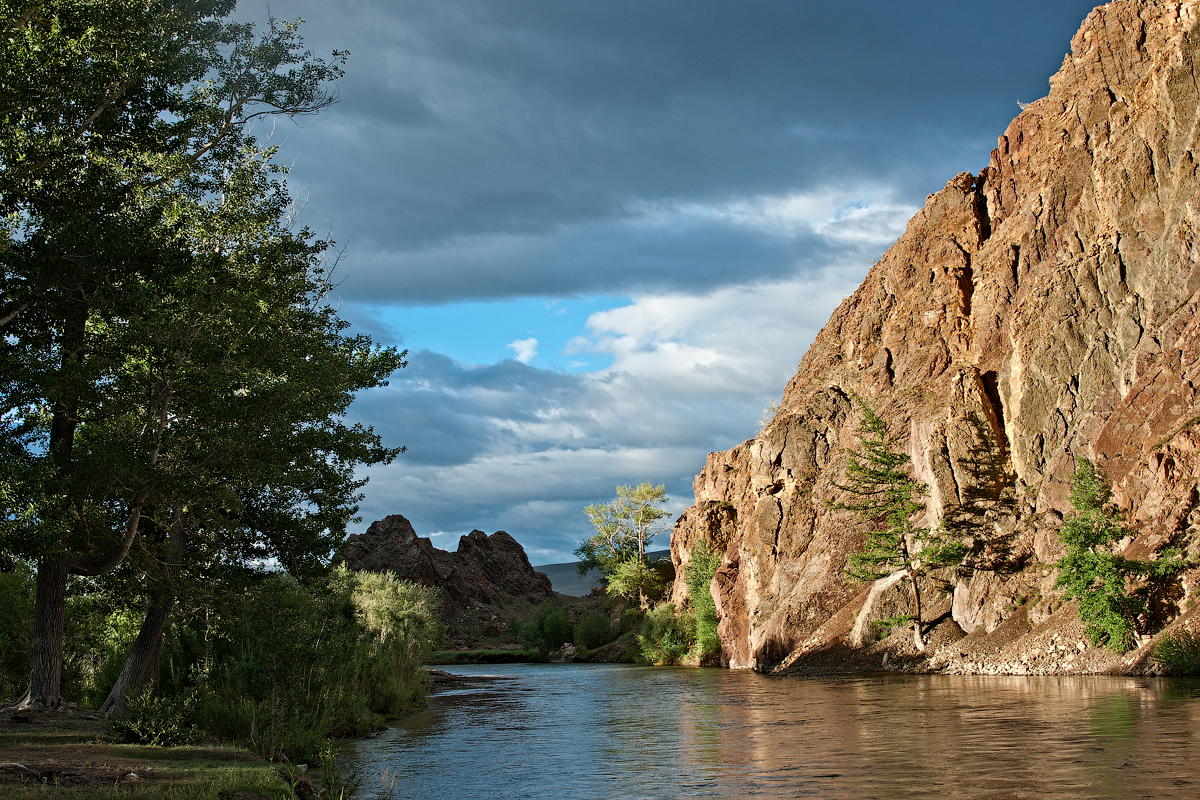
<point x="888" y="499"/>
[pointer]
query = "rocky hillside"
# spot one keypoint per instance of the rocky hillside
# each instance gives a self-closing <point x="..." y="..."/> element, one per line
<point x="1041" y="310"/>
<point x="485" y="583"/>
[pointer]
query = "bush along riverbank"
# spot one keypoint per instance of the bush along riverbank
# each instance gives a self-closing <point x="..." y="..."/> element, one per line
<point x="276" y="667"/>
<point x="610" y="628"/>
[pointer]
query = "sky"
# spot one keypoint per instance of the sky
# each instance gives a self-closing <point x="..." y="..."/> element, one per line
<point x="606" y="232"/>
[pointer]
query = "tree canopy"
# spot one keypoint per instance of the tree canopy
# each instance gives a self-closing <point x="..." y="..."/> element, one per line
<point x="172" y="374"/>
<point x="624" y="526"/>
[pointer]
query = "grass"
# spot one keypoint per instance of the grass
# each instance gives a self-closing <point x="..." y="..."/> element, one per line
<point x="73" y="762"/>
<point x="444" y="657"/>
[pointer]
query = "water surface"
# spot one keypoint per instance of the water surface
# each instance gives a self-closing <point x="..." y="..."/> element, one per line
<point x="612" y="731"/>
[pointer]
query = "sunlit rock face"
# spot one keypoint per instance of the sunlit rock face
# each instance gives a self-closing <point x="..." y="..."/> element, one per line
<point x="1042" y="310"/>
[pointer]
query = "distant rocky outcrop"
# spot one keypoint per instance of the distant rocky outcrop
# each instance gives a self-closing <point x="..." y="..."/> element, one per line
<point x="1044" y="309"/>
<point x="484" y="583"/>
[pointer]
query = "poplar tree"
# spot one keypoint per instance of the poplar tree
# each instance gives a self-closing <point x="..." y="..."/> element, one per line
<point x="255" y="373"/>
<point x="625" y="526"/>
<point x="888" y="498"/>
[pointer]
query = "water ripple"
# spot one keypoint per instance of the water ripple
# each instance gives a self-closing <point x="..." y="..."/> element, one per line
<point x="617" y="732"/>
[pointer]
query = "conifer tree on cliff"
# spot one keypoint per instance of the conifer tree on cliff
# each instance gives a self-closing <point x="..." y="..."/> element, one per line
<point x="888" y="499"/>
<point x="118" y="115"/>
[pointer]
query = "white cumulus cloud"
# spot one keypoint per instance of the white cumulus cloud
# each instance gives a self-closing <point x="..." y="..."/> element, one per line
<point x="525" y="350"/>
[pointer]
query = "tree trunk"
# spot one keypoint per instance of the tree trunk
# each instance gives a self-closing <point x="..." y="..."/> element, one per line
<point x="45" y="662"/>
<point x="46" y="648"/>
<point x="917" y="624"/>
<point x="141" y="666"/>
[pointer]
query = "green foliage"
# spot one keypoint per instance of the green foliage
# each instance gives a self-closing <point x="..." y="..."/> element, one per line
<point x="592" y="630"/>
<point x="629" y="621"/>
<point x="170" y="360"/>
<point x="402" y="616"/>
<point x="877" y="475"/>
<point x="624" y="527"/>
<point x="487" y="657"/>
<point x="1179" y="651"/>
<point x="547" y="629"/>
<point x="635" y="578"/>
<point x="16" y="626"/>
<point x="328" y="660"/>
<point x="156" y="721"/>
<point x="99" y="630"/>
<point x="666" y="635"/>
<point x="1093" y="574"/>
<point x="699" y="572"/>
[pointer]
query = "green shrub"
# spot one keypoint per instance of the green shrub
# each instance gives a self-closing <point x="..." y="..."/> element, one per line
<point x="98" y="634"/>
<point x="698" y="574"/>
<point x="592" y="630"/>
<point x="284" y="667"/>
<point x="666" y="635"/>
<point x="1179" y="651"/>
<point x="155" y="720"/>
<point x="1094" y="575"/>
<point x="630" y="620"/>
<point x="547" y="629"/>
<point x="487" y="657"/>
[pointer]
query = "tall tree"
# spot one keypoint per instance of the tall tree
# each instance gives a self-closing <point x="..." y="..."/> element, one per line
<point x="116" y="111"/>
<point x="624" y="527"/>
<point x="888" y="498"/>
<point x="255" y="372"/>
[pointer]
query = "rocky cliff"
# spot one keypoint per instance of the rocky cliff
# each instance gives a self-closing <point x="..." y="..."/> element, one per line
<point x="486" y="582"/>
<point x="1041" y="310"/>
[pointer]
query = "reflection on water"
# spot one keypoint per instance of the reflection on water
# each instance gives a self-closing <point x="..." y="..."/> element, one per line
<point x="610" y="731"/>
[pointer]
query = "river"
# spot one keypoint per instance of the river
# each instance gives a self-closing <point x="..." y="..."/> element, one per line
<point x="610" y="732"/>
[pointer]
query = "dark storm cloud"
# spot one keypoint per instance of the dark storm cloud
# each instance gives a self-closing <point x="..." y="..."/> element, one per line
<point x="539" y="128"/>
<point x="598" y="257"/>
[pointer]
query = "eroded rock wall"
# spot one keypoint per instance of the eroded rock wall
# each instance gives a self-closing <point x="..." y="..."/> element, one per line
<point x="1041" y="310"/>
<point x="486" y="582"/>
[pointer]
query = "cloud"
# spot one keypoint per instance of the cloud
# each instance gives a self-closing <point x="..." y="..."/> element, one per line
<point x="492" y="150"/>
<point x="727" y="171"/>
<point x="689" y="374"/>
<point x="524" y="349"/>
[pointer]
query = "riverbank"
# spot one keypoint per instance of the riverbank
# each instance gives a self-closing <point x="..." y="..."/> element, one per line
<point x="67" y="756"/>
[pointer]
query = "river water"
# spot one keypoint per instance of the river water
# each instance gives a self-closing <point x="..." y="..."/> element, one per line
<point x="611" y="731"/>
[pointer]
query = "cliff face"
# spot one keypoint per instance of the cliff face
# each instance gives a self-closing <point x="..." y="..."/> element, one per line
<point x="1041" y="310"/>
<point x="484" y="583"/>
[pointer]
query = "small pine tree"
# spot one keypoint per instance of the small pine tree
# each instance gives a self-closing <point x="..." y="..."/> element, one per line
<point x="877" y="474"/>
<point x="1092" y="573"/>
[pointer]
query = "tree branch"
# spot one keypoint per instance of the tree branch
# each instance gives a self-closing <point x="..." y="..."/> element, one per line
<point x="98" y="565"/>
